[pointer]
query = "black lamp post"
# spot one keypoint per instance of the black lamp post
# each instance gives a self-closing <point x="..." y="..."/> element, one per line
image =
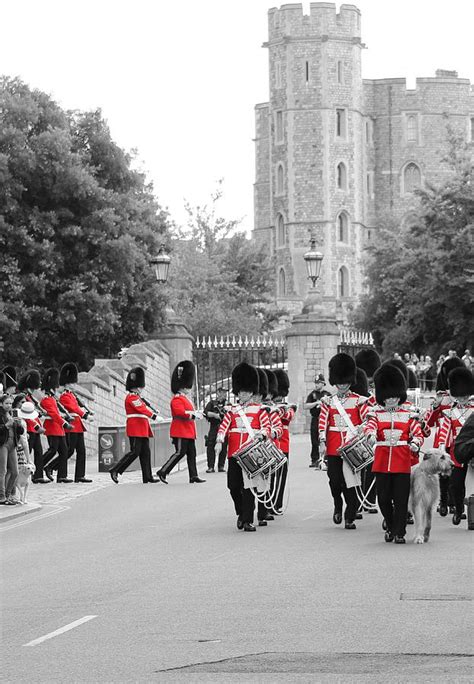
<point x="161" y="263"/>
<point x="313" y="261"/>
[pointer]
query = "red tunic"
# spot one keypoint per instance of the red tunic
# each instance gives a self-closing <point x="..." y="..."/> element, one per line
<point x="32" y="425"/>
<point x="276" y="426"/>
<point x="434" y="416"/>
<point x="138" y="414"/>
<point x="451" y="424"/>
<point x="54" y="422"/>
<point x="395" y="429"/>
<point x="233" y="426"/>
<point x="332" y="426"/>
<point x="69" y="400"/>
<point x="286" y="418"/>
<point x="182" y="425"/>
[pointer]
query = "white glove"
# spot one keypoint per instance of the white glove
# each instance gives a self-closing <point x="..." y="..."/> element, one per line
<point x="218" y="449"/>
<point x="414" y="447"/>
<point x="322" y="450"/>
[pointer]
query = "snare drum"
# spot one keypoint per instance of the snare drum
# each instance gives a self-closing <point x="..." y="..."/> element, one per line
<point x="260" y="457"/>
<point x="357" y="452"/>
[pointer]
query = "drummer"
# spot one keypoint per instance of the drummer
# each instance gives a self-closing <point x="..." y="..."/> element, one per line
<point x="396" y="433"/>
<point x="234" y="425"/>
<point x="339" y="413"/>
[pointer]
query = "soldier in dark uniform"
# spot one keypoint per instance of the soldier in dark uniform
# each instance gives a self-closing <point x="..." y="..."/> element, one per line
<point x="214" y="412"/>
<point x="313" y="403"/>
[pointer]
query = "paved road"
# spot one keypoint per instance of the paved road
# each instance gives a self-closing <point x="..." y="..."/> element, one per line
<point x="178" y="594"/>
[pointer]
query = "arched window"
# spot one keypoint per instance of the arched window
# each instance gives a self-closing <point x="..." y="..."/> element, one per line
<point x="341" y="176"/>
<point x="282" y="282"/>
<point x="280" y="232"/>
<point x="343" y="282"/>
<point x="412" y="132"/>
<point x="411" y="177"/>
<point x="280" y="177"/>
<point x="342" y="227"/>
<point x="339" y="72"/>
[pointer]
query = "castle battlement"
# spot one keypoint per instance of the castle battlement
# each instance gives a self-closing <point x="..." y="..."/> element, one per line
<point x="289" y="21"/>
<point x="442" y="81"/>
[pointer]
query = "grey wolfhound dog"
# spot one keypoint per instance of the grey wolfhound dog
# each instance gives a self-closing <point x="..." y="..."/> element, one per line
<point x="424" y="490"/>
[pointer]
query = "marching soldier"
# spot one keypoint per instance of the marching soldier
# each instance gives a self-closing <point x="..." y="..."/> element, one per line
<point x="461" y="388"/>
<point x="245" y="385"/>
<point x="340" y="413"/>
<point x="55" y="457"/>
<point x="369" y="361"/>
<point x="214" y="412"/>
<point x="395" y="432"/>
<point x="287" y="413"/>
<point x="183" y="426"/>
<point x="79" y="413"/>
<point x="139" y="431"/>
<point x="28" y="384"/>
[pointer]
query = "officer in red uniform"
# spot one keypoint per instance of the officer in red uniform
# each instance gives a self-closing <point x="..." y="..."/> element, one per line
<point x="75" y="436"/>
<point x="333" y="433"/>
<point x="139" y="431"/>
<point x="245" y="385"/>
<point x="287" y="413"/>
<point x="183" y="426"/>
<point x="396" y="433"/>
<point x="461" y="389"/>
<point x="55" y="457"/>
<point x="28" y="383"/>
<point x="264" y="397"/>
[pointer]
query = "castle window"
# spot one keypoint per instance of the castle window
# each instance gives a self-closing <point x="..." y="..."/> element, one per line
<point x="412" y="129"/>
<point x="341" y="176"/>
<point x="341" y="123"/>
<point x="370" y="184"/>
<point x="282" y="282"/>
<point x="280" y="231"/>
<point x="306" y="71"/>
<point x="369" y="234"/>
<point x="277" y="19"/>
<point x="472" y="128"/>
<point x="280" y="180"/>
<point x="343" y="227"/>
<point x="279" y="126"/>
<point x="369" y="133"/>
<point x="277" y="74"/>
<point x="343" y="282"/>
<point x="411" y="177"/>
<point x="340" y="72"/>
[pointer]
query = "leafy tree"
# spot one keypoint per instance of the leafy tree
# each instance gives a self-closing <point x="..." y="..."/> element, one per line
<point x="77" y="227"/>
<point x="421" y="277"/>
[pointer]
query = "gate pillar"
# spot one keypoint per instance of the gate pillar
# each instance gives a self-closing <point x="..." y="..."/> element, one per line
<point x="312" y="338"/>
<point x="177" y="339"/>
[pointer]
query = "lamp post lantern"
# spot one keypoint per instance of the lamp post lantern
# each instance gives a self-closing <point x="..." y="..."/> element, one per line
<point x="313" y="261"/>
<point x="161" y="263"/>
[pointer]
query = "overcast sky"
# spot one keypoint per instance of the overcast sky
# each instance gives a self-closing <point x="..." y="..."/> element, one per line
<point x="178" y="79"/>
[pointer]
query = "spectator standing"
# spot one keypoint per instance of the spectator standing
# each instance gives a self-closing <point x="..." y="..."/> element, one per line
<point x="214" y="413"/>
<point x="468" y="360"/>
<point x="10" y="430"/>
<point x="313" y="403"/>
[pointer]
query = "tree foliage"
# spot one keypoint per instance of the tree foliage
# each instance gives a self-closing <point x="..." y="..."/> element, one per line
<point x="421" y="277"/>
<point x="77" y="227"/>
<point x="221" y="282"/>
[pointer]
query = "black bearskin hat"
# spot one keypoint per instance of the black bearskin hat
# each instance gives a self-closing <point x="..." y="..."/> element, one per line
<point x="244" y="378"/>
<point x="401" y="365"/>
<point x="135" y="379"/>
<point x="361" y="385"/>
<point x="389" y="381"/>
<point x="368" y="360"/>
<point x="262" y="382"/>
<point x="272" y="383"/>
<point x="50" y="380"/>
<point x="447" y="366"/>
<point x="461" y="382"/>
<point x="9" y="374"/>
<point x="183" y="376"/>
<point x="342" y="369"/>
<point x="283" y="382"/>
<point x="68" y="374"/>
<point x="29" y="380"/>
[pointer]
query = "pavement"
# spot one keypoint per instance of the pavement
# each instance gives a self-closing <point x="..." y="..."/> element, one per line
<point x="154" y="583"/>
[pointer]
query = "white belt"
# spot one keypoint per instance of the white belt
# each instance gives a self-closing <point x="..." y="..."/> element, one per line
<point x="337" y="429"/>
<point x="137" y="415"/>
<point x="241" y="431"/>
<point x="392" y="444"/>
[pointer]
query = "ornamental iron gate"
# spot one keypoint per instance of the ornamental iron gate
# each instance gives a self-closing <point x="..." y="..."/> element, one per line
<point x="352" y="341"/>
<point x="215" y="359"/>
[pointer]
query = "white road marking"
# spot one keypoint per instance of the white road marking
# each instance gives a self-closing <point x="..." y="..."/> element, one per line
<point x="31" y="517"/>
<point x="61" y="630"/>
<point x="308" y="518"/>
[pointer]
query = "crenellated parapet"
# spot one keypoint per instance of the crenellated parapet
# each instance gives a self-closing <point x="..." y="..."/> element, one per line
<point x="323" y="22"/>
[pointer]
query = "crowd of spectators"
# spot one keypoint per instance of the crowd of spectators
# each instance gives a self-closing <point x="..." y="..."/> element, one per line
<point x="426" y="370"/>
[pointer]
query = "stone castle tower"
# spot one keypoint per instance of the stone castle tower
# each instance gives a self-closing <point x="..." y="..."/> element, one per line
<point x="336" y="153"/>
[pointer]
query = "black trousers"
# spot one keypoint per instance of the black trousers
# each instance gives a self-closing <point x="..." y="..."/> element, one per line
<point x="139" y="448"/>
<point x="34" y="443"/>
<point x="243" y="499"/>
<point x="457" y="487"/>
<point x="75" y="443"/>
<point x="55" y="457"/>
<point x="337" y="484"/>
<point x="282" y="474"/>
<point x="184" y="447"/>
<point x="367" y="477"/>
<point x="210" y="451"/>
<point x="445" y="495"/>
<point x="314" y="439"/>
<point x="393" y="490"/>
